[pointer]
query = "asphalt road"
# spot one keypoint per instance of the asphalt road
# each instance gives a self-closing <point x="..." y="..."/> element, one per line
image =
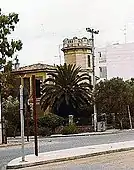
<point x="112" y="161"/>
<point x="50" y="144"/>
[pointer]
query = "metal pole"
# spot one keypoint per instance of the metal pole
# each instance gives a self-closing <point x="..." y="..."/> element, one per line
<point x="27" y="121"/>
<point x="34" y="114"/>
<point x="60" y="54"/>
<point x="130" y="119"/>
<point x="22" y="122"/>
<point x="0" y="118"/>
<point x="94" y="82"/>
<point x="92" y="31"/>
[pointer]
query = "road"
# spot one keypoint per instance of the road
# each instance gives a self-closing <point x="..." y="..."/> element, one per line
<point x="113" y="161"/>
<point x="50" y="144"/>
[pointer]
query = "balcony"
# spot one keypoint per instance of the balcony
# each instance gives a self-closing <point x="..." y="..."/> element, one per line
<point x="102" y="60"/>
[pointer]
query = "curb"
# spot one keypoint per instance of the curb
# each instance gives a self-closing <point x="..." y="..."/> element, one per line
<point x="8" y="145"/>
<point x="69" y="158"/>
<point x="88" y="134"/>
<point x="12" y="144"/>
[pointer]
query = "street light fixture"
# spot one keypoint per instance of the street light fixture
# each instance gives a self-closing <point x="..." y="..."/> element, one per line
<point x="92" y="31"/>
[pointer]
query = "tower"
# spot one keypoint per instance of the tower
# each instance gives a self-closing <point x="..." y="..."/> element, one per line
<point x="78" y="51"/>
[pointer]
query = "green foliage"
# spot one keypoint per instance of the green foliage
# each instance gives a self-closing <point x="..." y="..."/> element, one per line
<point x="47" y="124"/>
<point x="113" y="96"/>
<point x="44" y="131"/>
<point x="8" y="82"/>
<point x="10" y="110"/>
<point x="49" y="121"/>
<point x="8" y="47"/>
<point x="70" y="129"/>
<point x="68" y="85"/>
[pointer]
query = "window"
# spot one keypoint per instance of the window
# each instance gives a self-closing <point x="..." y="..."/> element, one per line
<point x="99" y="54"/>
<point x="90" y="80"/>
<point x="89" y="63"/>
<point x="103" y="72"/>
<point x="100" y="69"/>
<point x="38" y="86"/>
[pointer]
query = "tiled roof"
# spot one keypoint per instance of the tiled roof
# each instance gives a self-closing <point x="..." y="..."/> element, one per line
<point x="37" y="66"/>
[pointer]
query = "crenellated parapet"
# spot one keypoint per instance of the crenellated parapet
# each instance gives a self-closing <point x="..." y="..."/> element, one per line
<point x="77" y="42"/>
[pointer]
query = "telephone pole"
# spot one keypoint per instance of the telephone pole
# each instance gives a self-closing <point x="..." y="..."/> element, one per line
<point x="92" y="31"/>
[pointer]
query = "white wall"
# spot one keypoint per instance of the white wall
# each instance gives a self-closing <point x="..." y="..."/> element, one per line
<point x="120" y="60"/>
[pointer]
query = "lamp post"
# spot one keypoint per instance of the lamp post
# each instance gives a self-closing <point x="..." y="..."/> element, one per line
<point x="92" y="31"/>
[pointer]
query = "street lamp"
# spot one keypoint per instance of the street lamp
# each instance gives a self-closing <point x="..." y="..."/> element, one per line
<point x="92" y="31"/>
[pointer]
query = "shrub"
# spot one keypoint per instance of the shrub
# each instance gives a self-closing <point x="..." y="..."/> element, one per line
<point x="44" y="131"/>
<point x="10" y="110"/>
<point x="51" y="121"/>
<point x="70" y="129"/>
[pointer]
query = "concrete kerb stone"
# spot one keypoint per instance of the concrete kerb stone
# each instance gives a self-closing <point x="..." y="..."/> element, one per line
<point x="11" y="144"/>
<point x="92" y="133"/>
<point x="110" y="149"/>
<point x="85" y="134"/>
<point x="67" y="159"/>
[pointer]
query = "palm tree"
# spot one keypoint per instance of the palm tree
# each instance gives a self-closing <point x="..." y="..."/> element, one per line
<point x="69" y="87"/>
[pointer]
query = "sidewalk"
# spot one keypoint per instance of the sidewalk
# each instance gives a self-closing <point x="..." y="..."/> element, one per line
<point x="69" y="154"/>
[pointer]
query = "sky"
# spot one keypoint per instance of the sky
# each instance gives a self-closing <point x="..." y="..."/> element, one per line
<point x="45" y="23"/>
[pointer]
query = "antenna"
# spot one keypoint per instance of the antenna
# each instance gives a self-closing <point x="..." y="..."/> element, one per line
<point x="125" y="33"/>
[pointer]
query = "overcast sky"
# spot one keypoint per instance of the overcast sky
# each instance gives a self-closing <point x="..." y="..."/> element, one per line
<point x="45" y="23"/>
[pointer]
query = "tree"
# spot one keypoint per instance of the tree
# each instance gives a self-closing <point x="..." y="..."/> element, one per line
<point x="66" y="91"/>
<point x="113" y="96"/>
<point x="130" y="83"/>
<point x="10" y="110"/>
<point x="8" y="46"/>
<point x="9" y="86"/>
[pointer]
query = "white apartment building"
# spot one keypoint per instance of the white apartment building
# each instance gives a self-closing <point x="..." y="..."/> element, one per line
<point x="116" y="60"/>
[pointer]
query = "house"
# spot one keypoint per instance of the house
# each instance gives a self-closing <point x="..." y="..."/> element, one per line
<point x="24" y="76"/>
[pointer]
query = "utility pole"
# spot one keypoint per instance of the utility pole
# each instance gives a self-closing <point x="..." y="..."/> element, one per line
<point x="92" y="31"/>
<point x="125" y="33"/>
<point x="34" y="113"/>
<point x="27" y="121"/>
<point x="60" y="54"/>
<point x="130" y="119"/>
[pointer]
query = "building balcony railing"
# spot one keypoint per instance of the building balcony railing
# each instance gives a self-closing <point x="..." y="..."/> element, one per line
<point x="102" y="60"/>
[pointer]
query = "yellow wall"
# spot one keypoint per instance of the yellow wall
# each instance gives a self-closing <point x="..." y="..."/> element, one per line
<point x="77" y="56"/>
<point x="37" y="75"/>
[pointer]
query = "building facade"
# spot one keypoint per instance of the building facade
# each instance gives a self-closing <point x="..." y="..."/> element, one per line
<point x="116" y="60"/>
<point x="78" y="51"/>
<point x="24" y="77"/>
<point x="101" y="63"/>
